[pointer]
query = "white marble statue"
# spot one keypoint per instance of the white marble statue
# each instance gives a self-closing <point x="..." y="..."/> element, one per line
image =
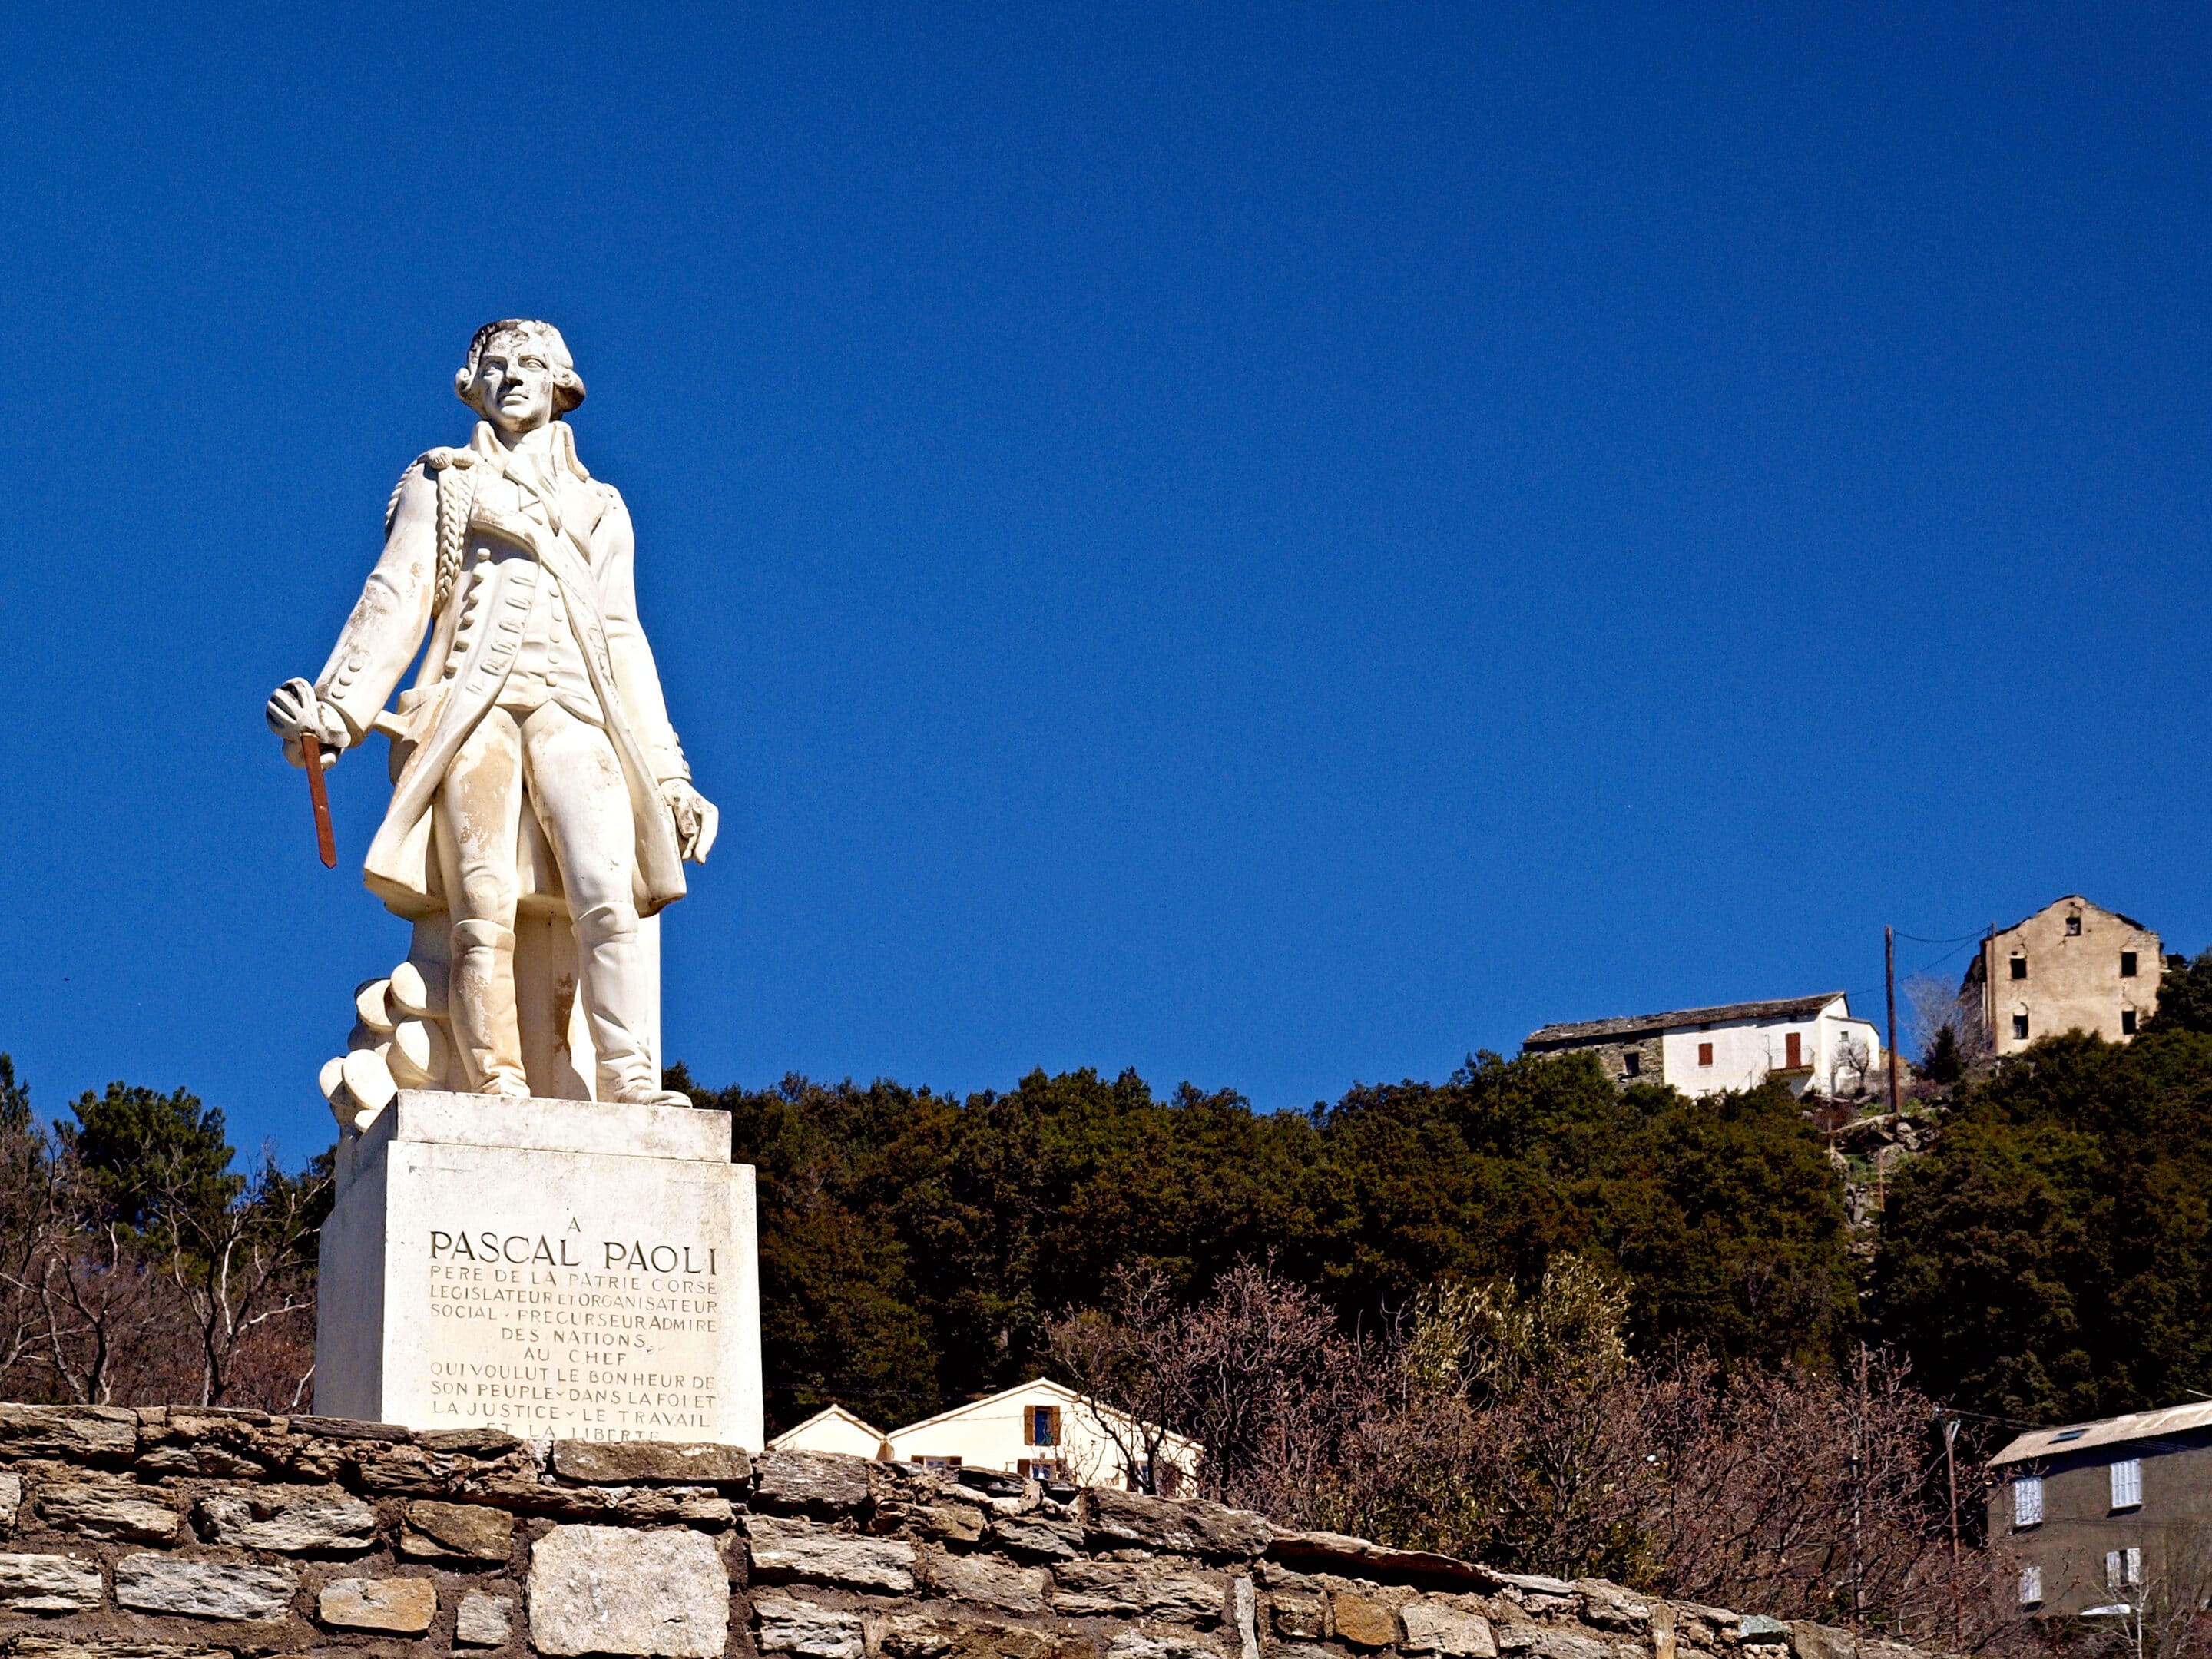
<point x="541" y="806"/>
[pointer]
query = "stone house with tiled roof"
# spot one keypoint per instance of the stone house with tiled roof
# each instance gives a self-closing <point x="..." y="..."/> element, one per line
<point x="1808" y="1042"/>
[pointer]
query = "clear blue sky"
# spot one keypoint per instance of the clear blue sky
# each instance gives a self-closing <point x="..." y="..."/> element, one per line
<point x="1275" y="545"/>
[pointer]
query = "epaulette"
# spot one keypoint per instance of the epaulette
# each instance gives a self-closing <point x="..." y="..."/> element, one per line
<point x="432" y="462"/>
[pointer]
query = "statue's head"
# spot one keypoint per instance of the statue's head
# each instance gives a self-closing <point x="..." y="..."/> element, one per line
<point x="519" y="375"/>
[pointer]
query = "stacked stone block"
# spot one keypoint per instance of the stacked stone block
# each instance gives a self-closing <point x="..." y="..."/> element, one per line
<point x="202" y="1534"/>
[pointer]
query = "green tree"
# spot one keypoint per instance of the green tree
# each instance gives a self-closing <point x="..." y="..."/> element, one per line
<point x="1024" y="1203"/>
<point x="15" y="1099"/>
<point x="2051" y="1256"/>
<point x="1722" y="1213"/>
<point x="912" y="1245"/>
<point x="915" y="1248"/>
<point x="2184" y="998"/>
<point x="149" y="1155"/>
<point x="839" y="1308"/>
<point x="1728" y="1219"/>
<point x="1944" y="1064"/>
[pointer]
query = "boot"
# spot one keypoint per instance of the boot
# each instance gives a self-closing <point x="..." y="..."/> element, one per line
<point x="616" y="987"/>
<point x="480" y="1003"/>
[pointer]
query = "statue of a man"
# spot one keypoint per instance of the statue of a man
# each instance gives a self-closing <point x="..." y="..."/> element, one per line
<point x="532" y="760"/>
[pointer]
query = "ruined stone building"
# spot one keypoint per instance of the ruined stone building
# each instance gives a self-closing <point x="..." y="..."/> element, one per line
<point x="2093" y="1512"/>
<point x="1808" y="1042"/>
<point x="2072" y="966"/>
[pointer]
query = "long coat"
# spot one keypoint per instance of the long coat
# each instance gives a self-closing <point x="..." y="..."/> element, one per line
<point x="474" y="639"/>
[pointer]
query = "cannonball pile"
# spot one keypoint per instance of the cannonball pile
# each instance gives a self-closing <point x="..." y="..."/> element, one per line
<point x="398" y="1042"/>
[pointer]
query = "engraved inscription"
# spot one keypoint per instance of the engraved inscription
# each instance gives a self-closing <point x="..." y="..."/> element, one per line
<point x="575" y="1333"/>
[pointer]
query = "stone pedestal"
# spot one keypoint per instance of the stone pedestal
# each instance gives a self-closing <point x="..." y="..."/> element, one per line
<point x="552" y="1267"/>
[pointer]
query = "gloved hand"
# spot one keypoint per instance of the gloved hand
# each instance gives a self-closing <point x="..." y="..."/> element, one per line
<point x="294" y="709"/>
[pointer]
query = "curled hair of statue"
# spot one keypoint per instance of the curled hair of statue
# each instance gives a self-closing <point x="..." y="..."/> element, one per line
<point x="567" y="385"/>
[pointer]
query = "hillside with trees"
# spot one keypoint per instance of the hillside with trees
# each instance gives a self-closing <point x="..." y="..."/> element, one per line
<point x="914" y="1246"/>
<point x="2050" y="1257"/>
<point x="138" y="1266"/>
<point x="1520" y="1314"/>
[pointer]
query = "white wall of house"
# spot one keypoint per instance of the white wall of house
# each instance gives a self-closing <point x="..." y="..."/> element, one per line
<point x="1001" y="1433"/>
<point x="836" y="1430"/>
<point x="1841" y="1038"/>
<point x="1743" y="1053"/>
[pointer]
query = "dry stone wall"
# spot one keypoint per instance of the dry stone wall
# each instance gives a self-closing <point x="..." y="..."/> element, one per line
<point x="212" y="1534"/>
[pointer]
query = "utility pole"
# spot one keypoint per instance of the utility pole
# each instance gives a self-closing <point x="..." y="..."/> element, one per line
<point x="1951" y="1478"/>
<point x="1889" y="974"/>
<point x="1858" y="1483"/>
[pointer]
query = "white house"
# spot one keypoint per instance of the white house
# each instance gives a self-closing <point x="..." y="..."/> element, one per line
<point x="1046" y="1431"/>
<point x="835" y="1429"/>
<point x="1808" y="1042"/>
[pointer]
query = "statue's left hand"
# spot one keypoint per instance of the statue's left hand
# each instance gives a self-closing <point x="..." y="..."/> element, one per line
<point x="696" y="819"/>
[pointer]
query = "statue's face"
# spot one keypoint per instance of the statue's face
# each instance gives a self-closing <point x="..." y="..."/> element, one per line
<point x="513" y="383"/>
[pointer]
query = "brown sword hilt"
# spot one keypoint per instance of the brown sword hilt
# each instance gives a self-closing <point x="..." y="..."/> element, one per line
<point x="326" y="843"/>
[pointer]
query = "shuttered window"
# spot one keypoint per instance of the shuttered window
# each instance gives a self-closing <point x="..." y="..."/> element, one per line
<point x="2127" y="1483"/>
<point x="1044" y="1426"/>
<point x="2028" y="1500"/>
<point x="1705" y="1054"/>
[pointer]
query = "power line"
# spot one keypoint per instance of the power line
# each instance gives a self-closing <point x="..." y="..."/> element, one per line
<point x="1925" y="967"/>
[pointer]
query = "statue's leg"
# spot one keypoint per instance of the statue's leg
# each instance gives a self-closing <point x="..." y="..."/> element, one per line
<point x="577" y="784"/>
<point x="478" y="817"/>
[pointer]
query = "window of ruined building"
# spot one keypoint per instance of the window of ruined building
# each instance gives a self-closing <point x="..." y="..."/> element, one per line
<point x="2127" y="1022"/>
<point x="2019" y="1027"/>
<point x="2072" y="927"/>
<point x="1632" y="1064"/>
<point x="2020" y="967"/>
<point x="2127" y="1483"/>
<point x="2127" y="964"/>
<point x="1705" y="1054"/>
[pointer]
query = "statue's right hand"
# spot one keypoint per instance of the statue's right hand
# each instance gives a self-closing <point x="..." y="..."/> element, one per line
<point x="294" y="711"/>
